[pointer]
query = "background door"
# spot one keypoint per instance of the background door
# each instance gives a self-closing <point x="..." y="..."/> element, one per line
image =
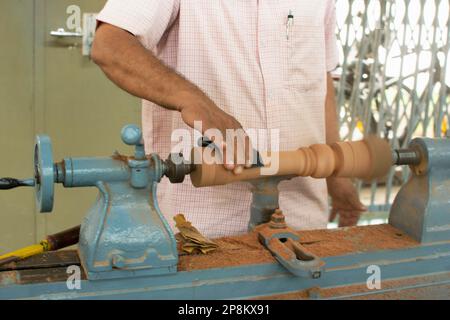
<point x="48" y="86"/>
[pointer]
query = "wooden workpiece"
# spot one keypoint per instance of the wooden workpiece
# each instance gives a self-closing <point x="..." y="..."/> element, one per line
<point x="367" y="159"/>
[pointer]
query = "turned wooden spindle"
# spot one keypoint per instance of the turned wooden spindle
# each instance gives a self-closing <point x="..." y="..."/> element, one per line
<point x="366" y="159"/>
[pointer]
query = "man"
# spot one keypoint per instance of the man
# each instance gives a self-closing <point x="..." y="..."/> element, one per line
<point x="231" y="64"/>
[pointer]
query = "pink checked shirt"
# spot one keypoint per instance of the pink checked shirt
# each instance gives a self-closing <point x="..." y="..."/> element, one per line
<point x="239" y="53"/>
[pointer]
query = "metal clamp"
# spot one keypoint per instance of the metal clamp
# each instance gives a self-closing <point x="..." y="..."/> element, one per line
<point x="283" y="243"/>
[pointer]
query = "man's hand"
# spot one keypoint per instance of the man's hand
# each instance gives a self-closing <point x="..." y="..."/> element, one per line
<point x="345" y="202"/>
<point x="213" y="117"/>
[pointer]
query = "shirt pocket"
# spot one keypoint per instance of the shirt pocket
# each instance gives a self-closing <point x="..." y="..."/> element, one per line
<point x="305" y="54"/>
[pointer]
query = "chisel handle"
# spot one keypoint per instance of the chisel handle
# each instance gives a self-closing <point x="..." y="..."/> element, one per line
<point x="64" y="238"/>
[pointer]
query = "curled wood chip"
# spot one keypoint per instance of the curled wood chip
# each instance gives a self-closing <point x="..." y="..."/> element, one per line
<point x="192" y="241"/>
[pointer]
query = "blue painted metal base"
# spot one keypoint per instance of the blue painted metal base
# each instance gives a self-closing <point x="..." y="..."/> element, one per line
<point x="257" y="280"/>
<point x="124" y="235"/>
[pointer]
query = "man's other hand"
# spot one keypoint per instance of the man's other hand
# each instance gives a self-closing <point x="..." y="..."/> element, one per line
<point x="345" y="202"/>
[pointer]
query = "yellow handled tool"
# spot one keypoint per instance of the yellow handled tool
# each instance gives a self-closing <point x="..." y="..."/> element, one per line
<point x="53" y="242"/>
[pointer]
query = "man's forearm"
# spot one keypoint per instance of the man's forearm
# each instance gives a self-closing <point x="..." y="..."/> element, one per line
<point x="331" y="117"/>
<point x="345" y="199"/>
<point x="127" y="63"/>
<point x="136" y="70"/>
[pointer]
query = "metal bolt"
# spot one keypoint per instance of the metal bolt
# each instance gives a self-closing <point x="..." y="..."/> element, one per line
<point x="118" y="261"/>
<point x="277" y="220"/>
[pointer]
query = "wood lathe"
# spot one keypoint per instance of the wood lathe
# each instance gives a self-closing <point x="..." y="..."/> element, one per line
<point x="127" y="250"/>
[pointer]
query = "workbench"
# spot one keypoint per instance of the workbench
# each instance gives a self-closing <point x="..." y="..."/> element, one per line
<point x="244" y="268"/>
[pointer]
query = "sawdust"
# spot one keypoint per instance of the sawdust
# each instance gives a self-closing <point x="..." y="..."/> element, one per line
<point x="246" y="249"/>
<point x="298" y="295"/>
<point x="391" y="289"/>
<point x="232" y="251"/>
<point x="334" y="242"/>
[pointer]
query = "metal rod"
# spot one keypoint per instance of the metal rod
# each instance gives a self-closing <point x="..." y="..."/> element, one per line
<point x="406" y="157"/>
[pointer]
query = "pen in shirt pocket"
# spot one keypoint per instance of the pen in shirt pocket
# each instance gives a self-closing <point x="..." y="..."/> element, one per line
<point x="289" y="23"/>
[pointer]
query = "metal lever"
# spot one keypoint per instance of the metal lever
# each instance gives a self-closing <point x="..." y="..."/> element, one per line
<point x="62" y="33"/>
<point x="11" y="183"/>
<point x="282" y="242"/>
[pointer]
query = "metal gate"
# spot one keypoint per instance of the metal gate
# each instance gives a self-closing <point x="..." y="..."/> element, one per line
<point x="393" y="79"/>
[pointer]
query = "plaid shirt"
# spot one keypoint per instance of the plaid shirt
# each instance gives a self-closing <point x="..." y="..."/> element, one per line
<point x="268" y="76"/>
